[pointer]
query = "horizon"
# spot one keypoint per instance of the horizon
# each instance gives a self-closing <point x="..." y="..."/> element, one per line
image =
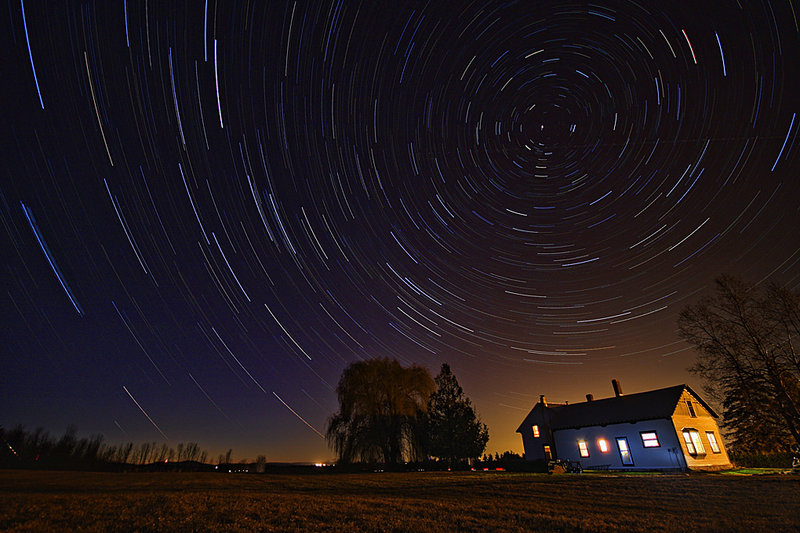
<point x="209" y="211"/>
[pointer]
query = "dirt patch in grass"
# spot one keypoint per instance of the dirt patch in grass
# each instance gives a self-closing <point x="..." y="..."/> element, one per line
<point x="49" y="501"/>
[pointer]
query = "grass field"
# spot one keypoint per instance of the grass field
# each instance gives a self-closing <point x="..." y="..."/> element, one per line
<point x="495" y="501"/>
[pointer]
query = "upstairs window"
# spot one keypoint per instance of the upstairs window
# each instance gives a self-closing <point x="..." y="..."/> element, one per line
<point x="603" y="445"/>
<point x="693" y="443"/>
<point x="712" y="441"/>
<point x="583" y="448"/>
<point x="691" y="408"/>
<point x="535" y="432"/>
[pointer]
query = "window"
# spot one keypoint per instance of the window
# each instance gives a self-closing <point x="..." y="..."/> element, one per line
<point x="691" y="409"/>
<point x="603" y="445"/>
<point x="649" y="439"/>
<point x="535" y="432"/>
<point x="584" y="448"/>
<point x="712" y="440"/>
<point x="693" y="443"/>
<point x="547" y="453"/>
<point x="624" y="451"/>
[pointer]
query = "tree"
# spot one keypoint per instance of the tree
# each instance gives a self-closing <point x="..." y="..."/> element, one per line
<point x="454" y="432"/>
<point x="746" y="338"/>
<point x="380" y="403"/>
<point x="191" y="451"/>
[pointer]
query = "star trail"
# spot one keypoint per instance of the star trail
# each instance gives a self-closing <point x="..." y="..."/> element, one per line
<point x="216" y="206"/>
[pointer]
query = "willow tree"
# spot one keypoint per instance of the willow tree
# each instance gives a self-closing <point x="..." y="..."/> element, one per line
<point x="380" y="408"/>
<point x="747" y="342"/>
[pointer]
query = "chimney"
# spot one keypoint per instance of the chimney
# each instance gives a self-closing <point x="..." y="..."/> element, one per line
<point x="543" y="400"/>
<point x="617" y="388"/>
<point x="589" y="397"/>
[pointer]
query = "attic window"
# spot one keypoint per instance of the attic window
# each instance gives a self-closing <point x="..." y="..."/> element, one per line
<point x="583" y="448"/>
<point x="691" y="409"/>
<point x="535" y="431"/>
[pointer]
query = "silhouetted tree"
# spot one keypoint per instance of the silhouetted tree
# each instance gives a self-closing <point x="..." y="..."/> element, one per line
<point x="66" y="444"/>
<point x="192" y="451"/>
<point x="747" y="338"/>
<point x="161" y="456"/>
<point x="454" y="431"/>
<point x="380" y="403"/>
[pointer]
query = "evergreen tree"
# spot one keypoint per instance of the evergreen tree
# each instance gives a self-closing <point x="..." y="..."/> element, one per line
<point x="454" y="431"/>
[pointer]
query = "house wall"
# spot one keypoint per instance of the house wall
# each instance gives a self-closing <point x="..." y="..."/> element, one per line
<point x="534" y="447"/>
<point x="703" y="421"/>
<point x="667" y="456"/>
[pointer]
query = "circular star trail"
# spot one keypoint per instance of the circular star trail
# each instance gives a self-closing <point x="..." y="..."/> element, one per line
<point x="211" y="208"/>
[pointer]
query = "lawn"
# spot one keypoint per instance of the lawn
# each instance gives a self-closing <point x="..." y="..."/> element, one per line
<point x="486" y="501"/>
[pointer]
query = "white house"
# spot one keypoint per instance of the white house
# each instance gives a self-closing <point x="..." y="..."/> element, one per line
<point x="663" y="429"/>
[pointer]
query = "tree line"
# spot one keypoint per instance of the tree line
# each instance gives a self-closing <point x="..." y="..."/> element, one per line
<point x="23" y="449"/>
<point x="390" y="414"/>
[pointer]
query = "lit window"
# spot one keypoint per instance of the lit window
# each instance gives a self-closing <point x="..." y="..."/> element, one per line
<point x="547" y="453"/>
<point x="650" y="439"/>
<point x="536" y="432"/>
<point x="584" y="448"/>
<point x="693" y="443"/>
<point x="603" y="445"/>
<point x="689" y="445"/>
<point x="712" y="440"/>
<point x="624" y="451"/>
<point x="691" y="409"/>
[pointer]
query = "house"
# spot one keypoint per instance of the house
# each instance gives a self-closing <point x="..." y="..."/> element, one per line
<point x="663" y="429"/>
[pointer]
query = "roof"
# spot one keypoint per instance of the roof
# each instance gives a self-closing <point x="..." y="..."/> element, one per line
<point x="649" y="405"/>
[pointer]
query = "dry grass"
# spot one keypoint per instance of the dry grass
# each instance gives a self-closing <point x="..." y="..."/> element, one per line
<point x="55" y="501"/>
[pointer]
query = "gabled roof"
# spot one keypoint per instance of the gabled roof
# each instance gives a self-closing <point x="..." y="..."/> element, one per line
<point x="650" y="405"/>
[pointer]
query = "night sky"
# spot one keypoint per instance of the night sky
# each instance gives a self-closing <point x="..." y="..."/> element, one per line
<point x="210" y="208"/>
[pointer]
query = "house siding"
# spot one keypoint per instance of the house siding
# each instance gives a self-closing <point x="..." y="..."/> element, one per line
<point x="667" y="456"/>
<point x="664" y="411"/>
<point x="703" y="422"/>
